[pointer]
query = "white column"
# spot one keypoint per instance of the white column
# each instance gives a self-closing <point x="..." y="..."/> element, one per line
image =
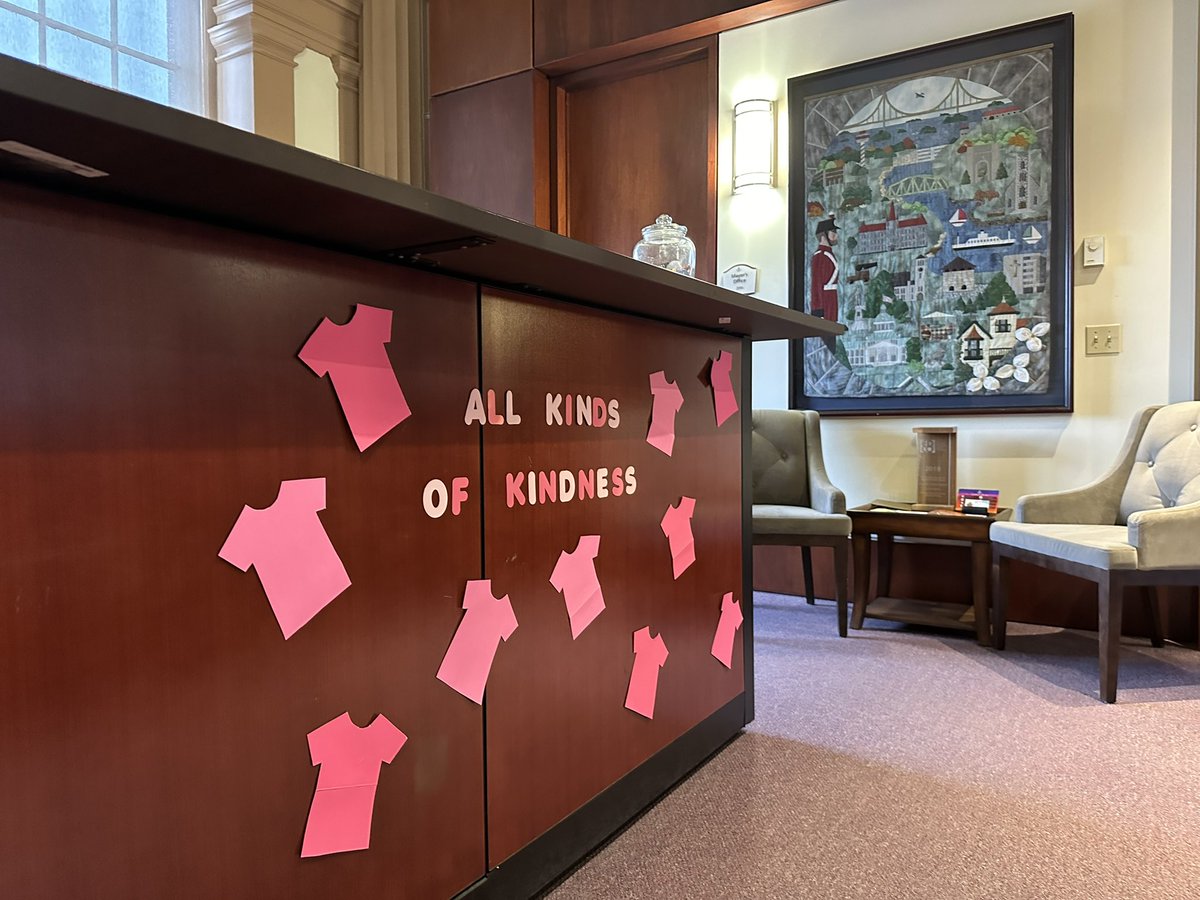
<point x="348" y="73"/>
<point x="255" y="59"/>
<point x="393" y="89"/>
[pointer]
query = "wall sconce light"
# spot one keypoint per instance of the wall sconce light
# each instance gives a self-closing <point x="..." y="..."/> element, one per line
<point x="753" y="144"/>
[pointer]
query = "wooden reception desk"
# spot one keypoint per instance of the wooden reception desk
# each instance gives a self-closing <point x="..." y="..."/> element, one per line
<point x="154" y="736"/>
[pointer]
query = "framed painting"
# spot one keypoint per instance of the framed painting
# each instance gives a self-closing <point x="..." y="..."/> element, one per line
<point x="930" y="213"/>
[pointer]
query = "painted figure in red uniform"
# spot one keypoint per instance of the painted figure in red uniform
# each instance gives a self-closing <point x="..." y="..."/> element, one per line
<point x="823" y="300"/>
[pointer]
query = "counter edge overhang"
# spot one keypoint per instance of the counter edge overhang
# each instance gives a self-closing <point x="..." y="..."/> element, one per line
<point x="173" y="162"/>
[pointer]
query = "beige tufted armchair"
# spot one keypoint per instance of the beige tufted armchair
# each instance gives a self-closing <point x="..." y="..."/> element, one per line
<point x="795" y="504"/>
<point x="1136" y="526"/>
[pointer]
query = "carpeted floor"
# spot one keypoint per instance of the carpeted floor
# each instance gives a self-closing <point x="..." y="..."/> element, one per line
<point x="905" y="763"/>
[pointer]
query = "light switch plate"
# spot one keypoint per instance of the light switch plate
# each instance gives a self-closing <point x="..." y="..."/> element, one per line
<point x="1101" y="339"/>
<point x="1093" y="250"/>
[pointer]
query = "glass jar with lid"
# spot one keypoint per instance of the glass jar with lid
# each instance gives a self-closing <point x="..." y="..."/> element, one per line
<point x="665" y="244"/>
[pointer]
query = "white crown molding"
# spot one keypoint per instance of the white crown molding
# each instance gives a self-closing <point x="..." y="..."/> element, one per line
<point x="330" y="27"/>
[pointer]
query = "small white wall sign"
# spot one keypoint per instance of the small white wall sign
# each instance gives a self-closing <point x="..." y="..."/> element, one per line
<point x="741" y="278"/>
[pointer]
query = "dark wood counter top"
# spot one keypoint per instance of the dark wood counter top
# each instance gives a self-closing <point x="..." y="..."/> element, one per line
<point x="174" y="162"/>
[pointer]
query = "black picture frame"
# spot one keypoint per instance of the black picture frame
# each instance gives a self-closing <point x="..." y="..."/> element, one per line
<point x="916" y="208"/>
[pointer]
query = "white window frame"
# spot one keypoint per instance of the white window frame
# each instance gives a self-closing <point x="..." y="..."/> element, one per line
<point x="191" y="61"/>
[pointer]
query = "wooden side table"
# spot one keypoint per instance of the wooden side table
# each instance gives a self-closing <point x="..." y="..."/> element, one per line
<point x="886" y="525"/>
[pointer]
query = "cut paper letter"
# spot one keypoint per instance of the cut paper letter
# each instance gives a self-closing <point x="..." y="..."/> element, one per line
<point x="355" y="358"/>
<point x="575" y="578"/>
<point x="485" y="624"/>
<point x="668" y="400"/>
<point x="289" y="549"/>
<point x="730" y="622"/>
<point x="350" y="758"/>
<point x="649" y="654"/>
<point x="724" y="399"/>
<point x="677" y="526"/>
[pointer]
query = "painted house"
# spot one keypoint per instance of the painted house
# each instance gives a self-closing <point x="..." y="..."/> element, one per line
<point x="892" y="233"/>
<point x="958" y="277"/>
<point x="986" y="345"/>
<point x="910" y="286"/>
<point x="1025" y="190"/>
<point x="1026" y="273"/>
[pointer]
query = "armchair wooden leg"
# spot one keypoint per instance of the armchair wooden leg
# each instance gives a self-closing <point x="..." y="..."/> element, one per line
<point x="806" y="557"/>
<point x="841" y="571"/>
<point x="1110" y="594"/>
<point x="1000" y="567"/>
<point x="1153" y="598"/>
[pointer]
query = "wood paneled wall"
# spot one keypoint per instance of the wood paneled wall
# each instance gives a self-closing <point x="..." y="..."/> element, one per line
<point x="493" y="147"/>
<point x="627" y="144"/>
<point x="636" y="139"/>
<point x="472" y="41"/>
<point x="574" y="34"/>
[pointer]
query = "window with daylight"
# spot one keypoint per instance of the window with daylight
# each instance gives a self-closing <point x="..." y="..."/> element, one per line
<point x="151" y="48"/>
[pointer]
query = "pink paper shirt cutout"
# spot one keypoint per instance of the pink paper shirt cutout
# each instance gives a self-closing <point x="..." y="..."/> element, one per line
<point x="355" y="358"/>
<point x="350" y="758"/>
<point x="485" y="624"/>
<point x="724" y="399"/>
<point x="730" y="622"/>
<point x="575" y="578"/>
<point x="286" y="543"/>
<point x="649" y="654"/>
<point x="668" y="400"/>
<point x="677" y="526"/>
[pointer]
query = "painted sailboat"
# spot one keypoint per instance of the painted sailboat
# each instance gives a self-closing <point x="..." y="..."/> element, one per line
<point x="1031" y="235"/>
<point x="959" y="219"/>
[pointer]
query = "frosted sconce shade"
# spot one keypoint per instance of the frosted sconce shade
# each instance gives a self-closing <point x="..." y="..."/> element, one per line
<point x="753" y="144"/>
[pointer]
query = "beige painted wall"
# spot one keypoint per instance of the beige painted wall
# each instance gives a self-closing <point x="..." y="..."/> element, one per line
<point x="1135" y="182"/>
<point x="316" y="104"/>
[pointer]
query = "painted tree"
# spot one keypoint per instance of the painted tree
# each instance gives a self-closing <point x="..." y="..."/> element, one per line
<point x="877" y="288"/>
<point x="997" y="291"/>
<point x="912" y="349"/>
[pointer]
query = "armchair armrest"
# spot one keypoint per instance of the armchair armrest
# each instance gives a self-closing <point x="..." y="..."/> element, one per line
<point x="1098" y="503"/>
<point x="1167" y="538"/>
<point x="1093" y="504"/>
<point x="823" y="496"/>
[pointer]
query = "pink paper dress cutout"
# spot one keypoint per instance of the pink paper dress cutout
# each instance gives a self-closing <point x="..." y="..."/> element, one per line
<point x="485" y="624"/>
<point x="575" y="578"/>
<point x="668" y="400"/>
<point x="677" y="526"/>
<point x="355" y="358"/>
<point x="724" y="398"/>
<point x="730" y="622"/>
<point x="649" y="654"/>
<point x="286" y="543"/>
<point x="350" y="758"/>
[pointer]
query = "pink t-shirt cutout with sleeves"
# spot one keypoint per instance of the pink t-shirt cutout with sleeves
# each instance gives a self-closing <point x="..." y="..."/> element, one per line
<point x="677" y="526"/>
<point x="649" y="654"/>
<point x="575" y="578"/>
<point x="668" y="400"/>
<point x="350" y="758"/>
<point x="486" y="623"/>
<point x="286" y="543"/>
<point x="724" y="399"/>
<point x="355" y="358"/>
<point x="730" y="622"/>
